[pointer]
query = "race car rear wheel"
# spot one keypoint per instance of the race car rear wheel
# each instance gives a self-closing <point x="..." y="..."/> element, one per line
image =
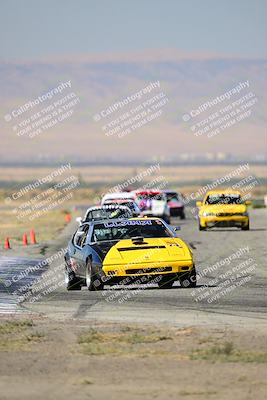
<point x="93" y="282"/>
<point x="189" y="280"/>
<point x="182" y="215"/>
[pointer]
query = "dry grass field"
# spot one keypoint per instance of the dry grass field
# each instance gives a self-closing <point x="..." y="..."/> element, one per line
<point x="118" y="174"/>
<point x="46" y="226"/>
<point x="129" y="361"/>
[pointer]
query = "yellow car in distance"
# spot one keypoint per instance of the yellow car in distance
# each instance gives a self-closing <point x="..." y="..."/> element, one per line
<point x="223" y="208"/>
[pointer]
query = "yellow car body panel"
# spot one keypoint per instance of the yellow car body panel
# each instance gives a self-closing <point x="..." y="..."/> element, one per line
<point x="223" y="214"/>
<point x="154" y="256"/>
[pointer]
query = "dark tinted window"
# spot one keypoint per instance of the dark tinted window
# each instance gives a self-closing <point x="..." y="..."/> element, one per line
<point x="159" y="196"/>
<point x="107" y="214"/>
<point x="224" y="199"/>
<point x="80" y="236"/>
<point x="128" y="229"/>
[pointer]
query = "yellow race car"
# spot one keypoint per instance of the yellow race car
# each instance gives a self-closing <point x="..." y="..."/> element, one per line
<point x="223" y="208"/>
<point x="139" y="250"/>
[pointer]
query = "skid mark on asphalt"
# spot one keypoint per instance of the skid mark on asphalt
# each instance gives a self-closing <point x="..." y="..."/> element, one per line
<point x="17" y="275"/>
<point x="83" y="308"/>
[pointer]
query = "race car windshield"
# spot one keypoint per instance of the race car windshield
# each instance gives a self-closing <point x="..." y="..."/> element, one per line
<point x="172" y="197"/>
<point x="155" y="196"/>
<point x="96" y="215"/>
<point x="128" y="229"/>
<point x="128" y="204"/>
<point x="224" y="199"/>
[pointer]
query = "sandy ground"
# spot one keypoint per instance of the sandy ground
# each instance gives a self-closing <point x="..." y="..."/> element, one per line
<point x="99" y="361"/>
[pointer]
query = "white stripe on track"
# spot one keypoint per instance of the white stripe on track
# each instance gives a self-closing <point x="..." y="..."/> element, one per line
<point x="11" y="267"/>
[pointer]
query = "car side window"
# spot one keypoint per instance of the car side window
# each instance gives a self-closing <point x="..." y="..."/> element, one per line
<point x="102" y="234"/>
<point x="81" y="235"/>
<point x="89" y="216"/>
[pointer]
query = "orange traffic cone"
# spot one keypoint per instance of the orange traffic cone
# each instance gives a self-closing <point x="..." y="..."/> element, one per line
<point x="67" y="217"/>
<point x="24" y="239"/>
<point x="7" y="244"/>
<point x="32" y="236"/>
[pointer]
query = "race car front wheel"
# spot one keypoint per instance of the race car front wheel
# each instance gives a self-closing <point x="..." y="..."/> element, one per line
<point x="189" y="280"/>
<point x="166" y="282"/>
<point x="72" y="282"/>
<point x="200" y="227"/>
<point x="93" y="282"/>
<point x="245" y="227"/>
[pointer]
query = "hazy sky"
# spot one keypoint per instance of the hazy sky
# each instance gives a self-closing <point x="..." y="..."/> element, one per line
<point x="39" y="28"/>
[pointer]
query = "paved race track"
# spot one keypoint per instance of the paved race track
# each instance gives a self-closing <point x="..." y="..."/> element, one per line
<point x="14" y="282"/>
<point x="230" y="291"/>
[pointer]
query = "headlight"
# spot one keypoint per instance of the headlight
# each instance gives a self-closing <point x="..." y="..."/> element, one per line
<point x="206" y="214"/>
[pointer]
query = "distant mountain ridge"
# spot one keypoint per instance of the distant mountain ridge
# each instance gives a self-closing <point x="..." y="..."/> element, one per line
<point x="100" y="81"/>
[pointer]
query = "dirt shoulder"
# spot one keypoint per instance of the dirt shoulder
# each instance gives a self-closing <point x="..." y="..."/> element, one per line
<point x="42" y="359"/>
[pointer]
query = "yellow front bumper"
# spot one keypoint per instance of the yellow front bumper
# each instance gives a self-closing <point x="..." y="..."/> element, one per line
<point x="205" y="221"/>
<point x="150" y="268"/>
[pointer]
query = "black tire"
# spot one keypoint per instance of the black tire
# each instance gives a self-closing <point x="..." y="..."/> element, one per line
<point x="245" y="228"/>
<point x="201" y="228"/>
<point x="73" y="283"/>
<point x="182" y="216"/>
<point x="189" y="280"/>
<point x="166" y="282"/>
<point x="93" y="281"/>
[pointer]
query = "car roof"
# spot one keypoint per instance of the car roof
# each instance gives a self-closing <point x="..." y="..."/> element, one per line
<point x="170" y="191"/>
<point x="107" y="207"/>
<point x="118" y="195"/>
<point x="117" y="201"/>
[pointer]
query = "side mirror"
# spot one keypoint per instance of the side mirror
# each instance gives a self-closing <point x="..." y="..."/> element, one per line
<point x="248" y="202"/>
<point x="79" y="220"/>
<point x="199" y="203"/>
<point x="177" y="228"/>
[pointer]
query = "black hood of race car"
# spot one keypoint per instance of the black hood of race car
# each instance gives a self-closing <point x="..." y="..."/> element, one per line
<point x="102" y="248"/>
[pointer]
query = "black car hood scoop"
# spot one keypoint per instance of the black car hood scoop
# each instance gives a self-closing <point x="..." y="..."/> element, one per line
<point x="138" y="240"/>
